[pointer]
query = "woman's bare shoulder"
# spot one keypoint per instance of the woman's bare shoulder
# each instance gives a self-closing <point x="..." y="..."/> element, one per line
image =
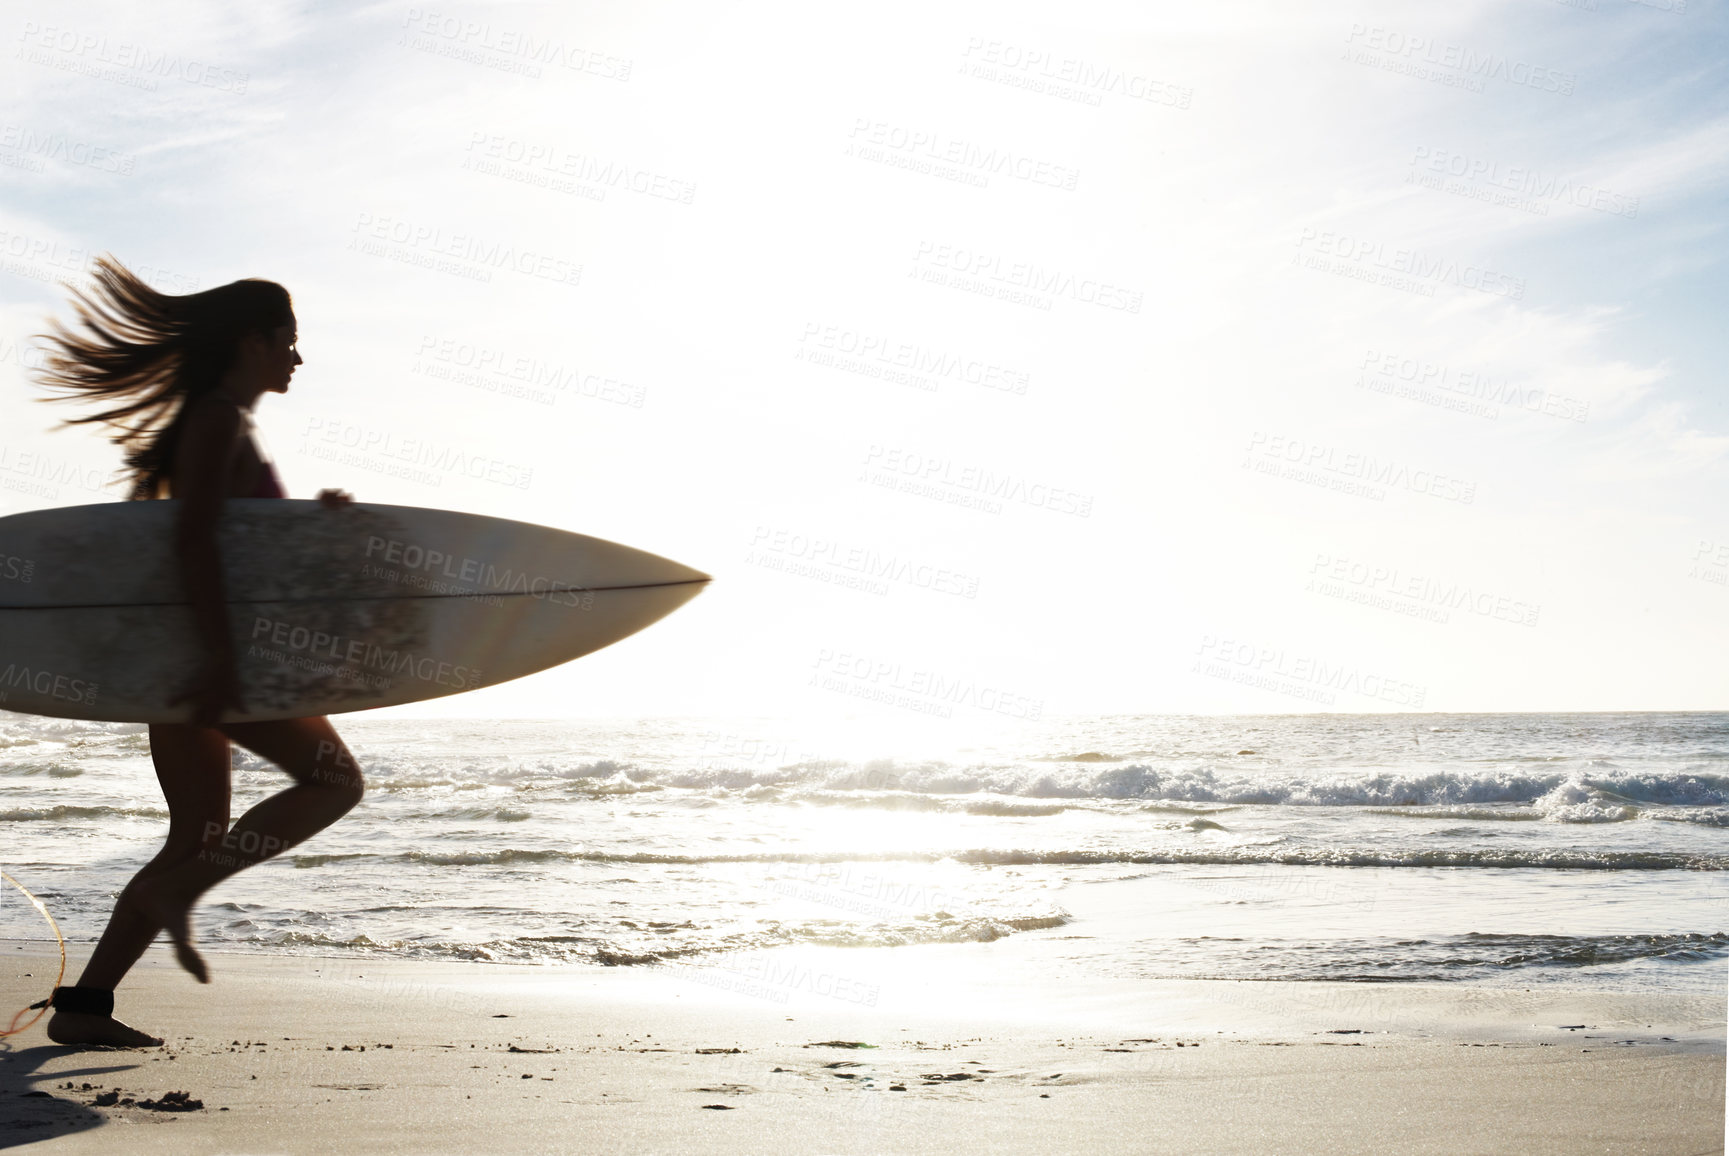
<point x="212" y="433"/>
<point x="213" y="416"/>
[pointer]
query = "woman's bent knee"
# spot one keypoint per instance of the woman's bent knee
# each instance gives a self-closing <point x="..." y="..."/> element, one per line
<point x="347" y="786"/>
<point x="335" y="768"/>
<point x="341" y="777"/>
<point x="353" y="791"/>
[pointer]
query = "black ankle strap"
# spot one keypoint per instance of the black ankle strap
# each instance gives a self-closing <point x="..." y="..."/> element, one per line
<point x="83" y="1001"/>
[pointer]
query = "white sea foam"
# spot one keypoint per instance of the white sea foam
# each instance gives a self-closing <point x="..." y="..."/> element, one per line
<point x="1322" y="856"/>
<point x="1562" y="795"/>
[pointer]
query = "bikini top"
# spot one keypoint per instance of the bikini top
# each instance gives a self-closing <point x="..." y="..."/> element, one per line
<point x="269" y="485"/>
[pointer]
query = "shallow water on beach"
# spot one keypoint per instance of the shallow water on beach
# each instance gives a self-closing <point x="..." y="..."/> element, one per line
<point x="1583" y="849"/>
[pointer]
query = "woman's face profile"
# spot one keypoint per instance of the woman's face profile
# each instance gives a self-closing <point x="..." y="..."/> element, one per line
<point x="281" y="357"/>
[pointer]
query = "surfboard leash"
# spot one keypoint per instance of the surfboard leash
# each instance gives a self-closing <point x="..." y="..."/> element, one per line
<point x="13" y="1029"/>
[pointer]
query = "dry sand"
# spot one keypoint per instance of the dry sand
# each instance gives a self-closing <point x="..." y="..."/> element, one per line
<point x="300" y="1054"/>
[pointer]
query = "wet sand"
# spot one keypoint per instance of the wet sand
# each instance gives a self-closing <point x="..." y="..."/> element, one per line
<point x="793" y="1052"/>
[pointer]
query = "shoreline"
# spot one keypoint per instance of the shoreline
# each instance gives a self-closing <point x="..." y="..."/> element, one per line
<point x="308" y="1052"/>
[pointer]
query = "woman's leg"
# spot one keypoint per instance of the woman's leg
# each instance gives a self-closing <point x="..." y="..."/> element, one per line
<point x="327" y="785"/>
<point x="192" y="765"/>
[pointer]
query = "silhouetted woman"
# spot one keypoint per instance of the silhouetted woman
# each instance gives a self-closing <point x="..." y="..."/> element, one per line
<point x="180" y="376"/>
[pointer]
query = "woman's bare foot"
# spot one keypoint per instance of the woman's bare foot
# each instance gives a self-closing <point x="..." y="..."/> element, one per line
<point x="77" y="1028"/>
<point x="174" y="917"/>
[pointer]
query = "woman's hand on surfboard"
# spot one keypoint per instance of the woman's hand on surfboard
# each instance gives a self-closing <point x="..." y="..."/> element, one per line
<point x="216" y="689"/>
<point x="335" y="499"/>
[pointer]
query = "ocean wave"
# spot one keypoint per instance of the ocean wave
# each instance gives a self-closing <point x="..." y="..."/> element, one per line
<point x="910" y="801"/>
<point x="1509" y="814"/>
<point x="1298" y="856"/>
<point x="1567" y="806"/>
<point x="1704" y="816"/>
<point x="54" y="770"/>
<point x="626" y="944"/>
<point x="1577" y="801"/>
<point x="581" y="786"/>
<point x="597" y="789"/>
<point x="1584" y="770"/>
<point x="1452" y="787"/>
<point x="875" y="801"/>
<point x="1474" y="955"/>
<point x="1586" y="951"/>
<point x="1601" y="793"/>
<point x="64" y="812"/>
<point x="46" y="727"/>
<point x="404" y="771"/>
<point x="1007" y="809"/>
<point x="316" y="942"/>
<point x="480" y="813"/>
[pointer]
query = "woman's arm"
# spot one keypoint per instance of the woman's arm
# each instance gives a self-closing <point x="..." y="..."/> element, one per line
<point x="205" y="461"/>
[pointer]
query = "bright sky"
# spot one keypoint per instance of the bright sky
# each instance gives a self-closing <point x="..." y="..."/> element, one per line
<point x="1224" y="357"/>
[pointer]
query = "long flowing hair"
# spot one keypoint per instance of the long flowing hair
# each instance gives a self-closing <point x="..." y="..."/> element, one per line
<point x="151" y="354"/>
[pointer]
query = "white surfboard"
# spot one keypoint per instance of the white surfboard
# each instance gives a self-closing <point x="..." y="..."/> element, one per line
<point x="330" y="610"/>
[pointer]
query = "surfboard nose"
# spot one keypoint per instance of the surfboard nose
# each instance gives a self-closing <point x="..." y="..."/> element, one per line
<point x="657" y="570"/>
<point x="643" y="565"/>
